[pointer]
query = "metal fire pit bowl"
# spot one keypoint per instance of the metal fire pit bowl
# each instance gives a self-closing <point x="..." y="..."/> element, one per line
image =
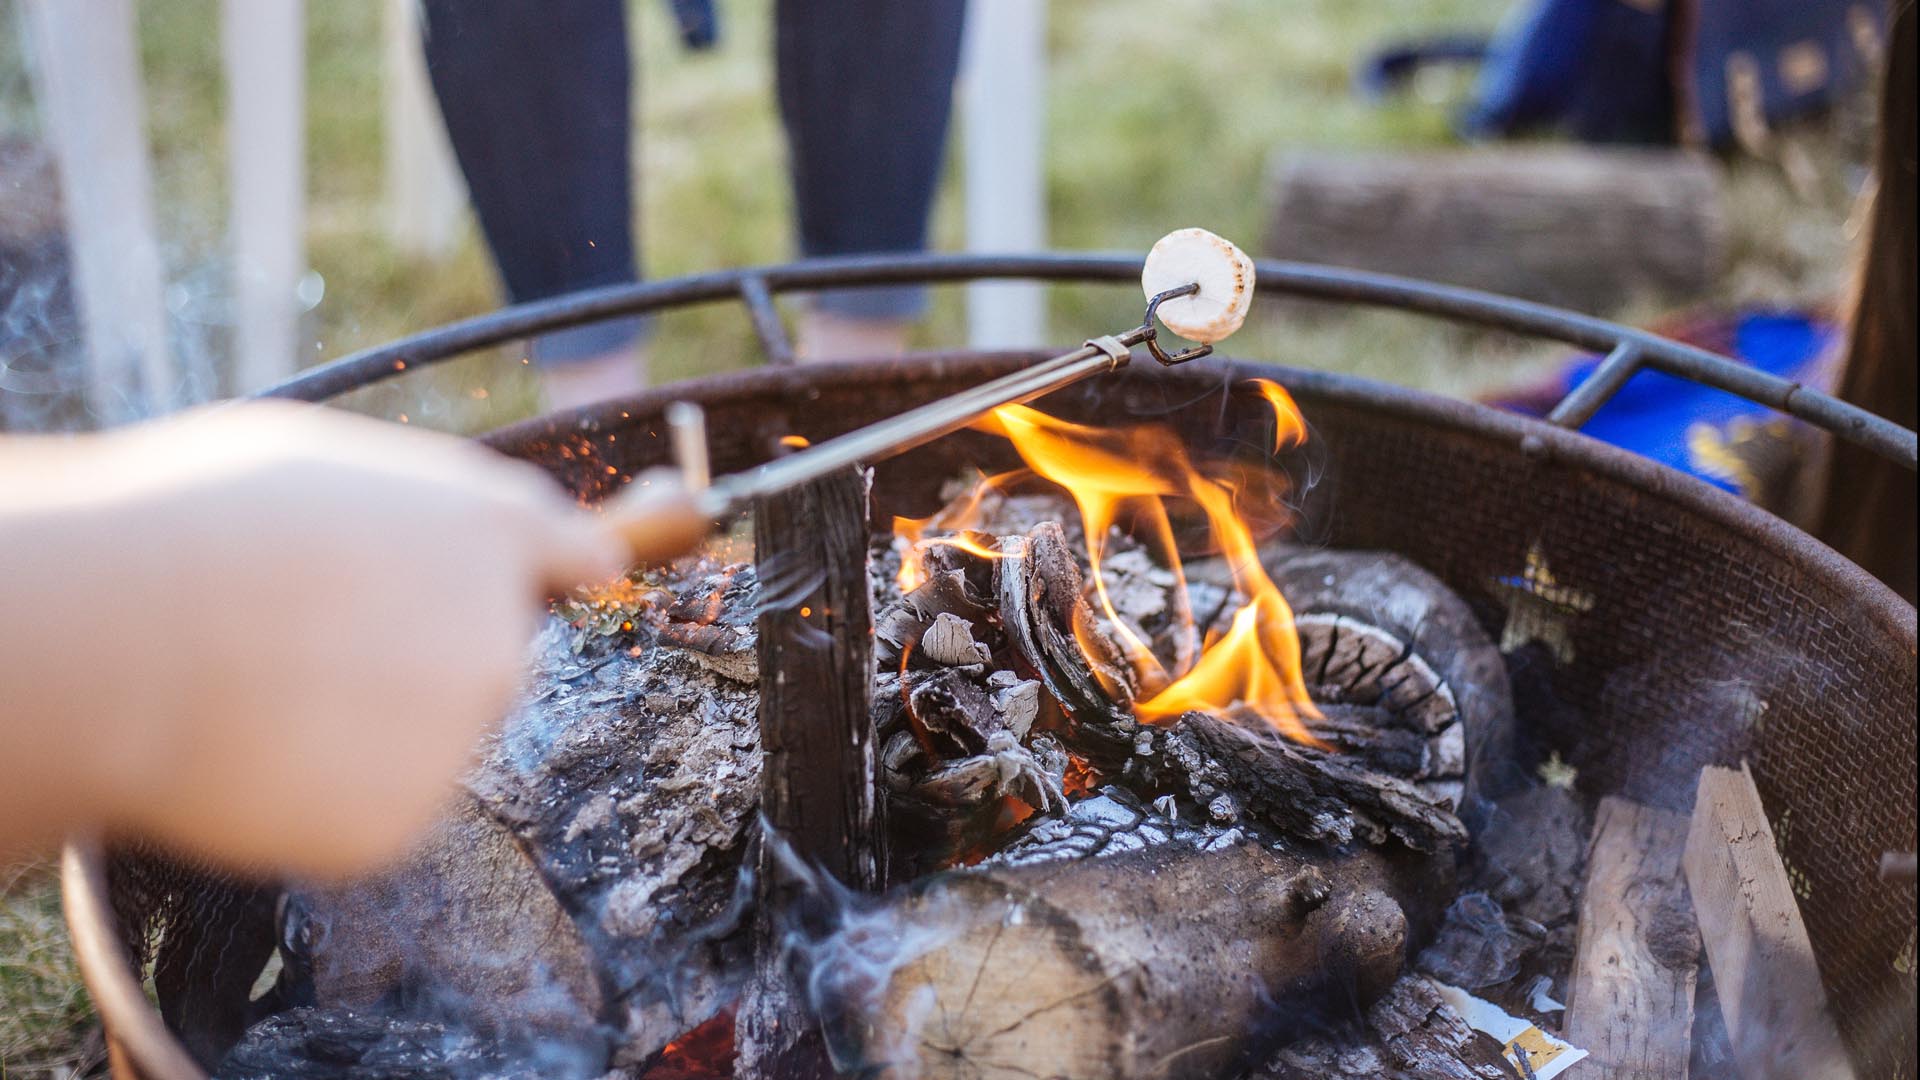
<point x="1654" y="624"/>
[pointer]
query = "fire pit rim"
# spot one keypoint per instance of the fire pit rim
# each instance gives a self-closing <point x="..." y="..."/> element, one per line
<point x="1628" y="350"/>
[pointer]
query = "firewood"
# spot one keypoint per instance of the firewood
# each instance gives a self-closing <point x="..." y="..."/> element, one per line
<point x="820" y="780"/>
<point x="465" y="925"/>
<point x="1044" y="610"/>
<point x="1581" y="227"/>
<point x="1763" y="961"/>
<point x="1379" y="631"/>
<point x="1118" y="943"/>
<point x="1630" y="1004"/>
<point x="714" y="622"/>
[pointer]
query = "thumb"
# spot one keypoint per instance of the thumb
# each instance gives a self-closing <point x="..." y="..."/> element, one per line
<point x="578" y="549"/>
<point x="656" y="518"/>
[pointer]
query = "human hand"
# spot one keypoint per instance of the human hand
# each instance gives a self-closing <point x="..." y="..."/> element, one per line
<point x="316" y="617"/>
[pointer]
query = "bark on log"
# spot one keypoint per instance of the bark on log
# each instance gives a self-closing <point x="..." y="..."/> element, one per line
<point x="1141" y="947"/>
<point x="820" y="785"/>
<point x="1630" y="1001"/>
<point x="1586" y="228"/>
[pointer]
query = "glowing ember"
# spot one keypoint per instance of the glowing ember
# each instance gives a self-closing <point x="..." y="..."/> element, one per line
<point x="705" y="1053"/>
<point x="1126" y="475"/>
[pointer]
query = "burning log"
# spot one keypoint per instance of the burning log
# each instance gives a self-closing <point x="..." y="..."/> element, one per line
<point x="1301" y="792"/>
<point x="1379" y="634"/>
<point x="1119" y="943"/>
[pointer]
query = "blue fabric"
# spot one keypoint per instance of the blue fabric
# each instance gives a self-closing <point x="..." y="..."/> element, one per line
<point x="1621" y="71"/>
<point x="1656" y="415"/>
<point x="1596" y="68"/>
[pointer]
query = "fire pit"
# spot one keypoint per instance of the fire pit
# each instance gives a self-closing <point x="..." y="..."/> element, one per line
<point x="1650" y="627"/>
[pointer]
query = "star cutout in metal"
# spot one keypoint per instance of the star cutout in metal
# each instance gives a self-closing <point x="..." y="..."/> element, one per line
<point x="1539" y="608"/>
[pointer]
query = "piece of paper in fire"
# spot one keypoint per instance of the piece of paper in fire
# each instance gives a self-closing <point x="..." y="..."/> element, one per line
<point x="1547" y="1055"/>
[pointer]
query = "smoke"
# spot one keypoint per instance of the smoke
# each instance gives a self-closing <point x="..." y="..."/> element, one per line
<point x="844" y="948"/>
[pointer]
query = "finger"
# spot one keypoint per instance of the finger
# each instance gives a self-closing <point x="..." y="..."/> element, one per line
<point x="657" y="518"/>
<point x="579" y="549"/>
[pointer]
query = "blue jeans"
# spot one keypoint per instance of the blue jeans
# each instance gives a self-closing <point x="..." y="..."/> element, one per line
<point x="536" y="97"/>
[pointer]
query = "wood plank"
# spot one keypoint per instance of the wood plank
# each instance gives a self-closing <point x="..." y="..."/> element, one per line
<point x="819" y="790"/>
<point x="92" y="106"/>
<point x="816" y="675"/>
<point x="1630" y="1003"/>
<point x="1763" y="961"/>
<point x="265" y="48"/>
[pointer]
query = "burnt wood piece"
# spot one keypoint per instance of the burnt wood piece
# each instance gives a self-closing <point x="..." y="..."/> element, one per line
<point x="1650" y="221"/>
<point x="820" y="786"/>
<point x="1763" y="962"/>
<point x="1118" y="943"/>
<point x="1307" y="795"/>
<point x="714" y="621"/>
<point x="1630" y="1001"/>
<point x="1448" y="680"/>
<point x="623" y="790"/>
<point x="1044" y="611"/>
<point x="815" y="654"/>
<point x="1299" y="791"/>
<point x="1409" y="1034"/>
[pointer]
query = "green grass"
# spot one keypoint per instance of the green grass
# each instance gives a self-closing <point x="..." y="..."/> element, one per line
<point x="46" y="1023"/>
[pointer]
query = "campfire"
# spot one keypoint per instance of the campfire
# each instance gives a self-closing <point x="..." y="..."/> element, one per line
<point x="1147" y="730"/>
<point x="1150" y="790"/>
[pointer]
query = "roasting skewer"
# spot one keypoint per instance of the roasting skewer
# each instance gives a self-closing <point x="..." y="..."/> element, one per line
<point x="1204" y="283"/>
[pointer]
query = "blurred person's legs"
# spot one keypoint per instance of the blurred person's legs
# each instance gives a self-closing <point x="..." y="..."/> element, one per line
<point x="536" y="102"/>
<point x="866" y="87"/>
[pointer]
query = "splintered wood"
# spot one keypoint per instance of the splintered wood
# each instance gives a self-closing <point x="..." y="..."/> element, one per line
<point x="1631" y="1003"/>
<point x="1763" y="961"/>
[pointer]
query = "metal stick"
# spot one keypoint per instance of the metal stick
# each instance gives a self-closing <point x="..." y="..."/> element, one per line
<point x="917" y="427"/>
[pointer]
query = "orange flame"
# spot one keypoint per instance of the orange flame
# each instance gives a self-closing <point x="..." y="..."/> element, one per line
<point x="1289" y="426"/>
<point x="1128" y="473"/>
<point x="954" y="518"/>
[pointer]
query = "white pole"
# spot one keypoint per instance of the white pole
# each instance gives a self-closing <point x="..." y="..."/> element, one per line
<point x="265" y="47"/>
<point x="425" y="193"/>
<point x="86" y="75"/>
<point x="1003" y="117"/>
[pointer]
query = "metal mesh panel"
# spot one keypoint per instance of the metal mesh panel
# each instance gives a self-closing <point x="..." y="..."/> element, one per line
<point x="1670" y="627"/>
